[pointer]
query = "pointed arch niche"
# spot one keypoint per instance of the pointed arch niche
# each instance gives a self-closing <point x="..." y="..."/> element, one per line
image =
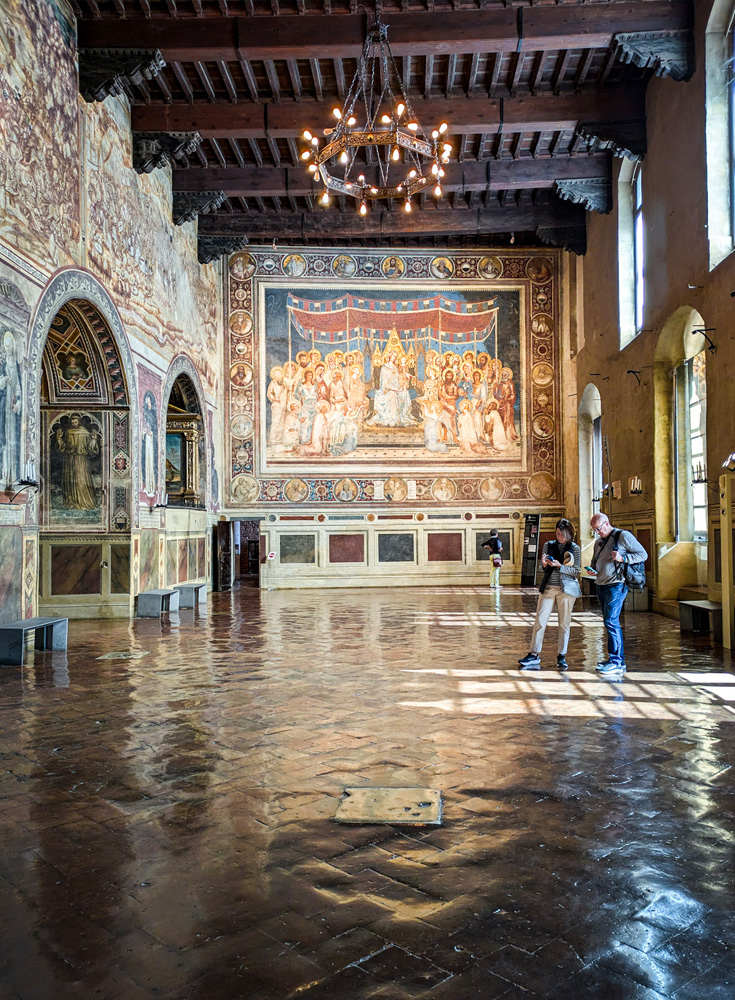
<point x="589" y="429"/>
<point x="679" y="374"/>
<point x="186" y="467"/>
<point x="86" y="467"/>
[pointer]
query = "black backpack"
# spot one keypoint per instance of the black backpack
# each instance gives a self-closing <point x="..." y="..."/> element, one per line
<point x="634" y="574"/>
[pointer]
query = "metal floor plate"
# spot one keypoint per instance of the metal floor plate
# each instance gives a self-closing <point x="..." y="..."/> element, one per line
<point x="395" y="806"/>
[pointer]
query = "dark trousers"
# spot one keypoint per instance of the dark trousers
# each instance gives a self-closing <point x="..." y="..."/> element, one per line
<point x="611" y="600"/>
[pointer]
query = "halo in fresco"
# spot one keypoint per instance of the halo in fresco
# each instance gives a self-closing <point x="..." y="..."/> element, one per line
<point x="490" y="267"/>
<point x="241" y="374"/>
<point x="344" y="266"/>
<point x="244" y="489"/>
<point x="393" y="267"/>
<point x="294" y="265"/>
<point x="242" y="266"/>
<point x="296" y="490"/>
<point x="442" y="267"/>
<point x="241" y="322"/>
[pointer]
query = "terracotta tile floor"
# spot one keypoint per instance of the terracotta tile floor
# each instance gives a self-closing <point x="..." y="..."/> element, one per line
<point x="167" y="821"/>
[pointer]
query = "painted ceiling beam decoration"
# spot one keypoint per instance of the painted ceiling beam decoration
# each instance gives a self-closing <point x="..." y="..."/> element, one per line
<point x="667" y="53"/>
<point x="524" y="173"/>
<point x="156" y="149"/>
<point x="341" y="36"/>
<point x="109" y="72"/>
<point x="529" y="113"/>
<point x="626" y="137"/>
<point x="386" y="223"/>
<point x="571" y="238"/>
<point x="211" y="248"/>
<point x="187" y="206"/>
<point x="595" y="193"/>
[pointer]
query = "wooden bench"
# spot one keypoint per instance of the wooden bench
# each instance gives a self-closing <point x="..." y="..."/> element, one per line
<point x="154" y="603"/>
<point x="49" y="633"/>
<point x="701" y="616"/>
<point x="191" y="594"/>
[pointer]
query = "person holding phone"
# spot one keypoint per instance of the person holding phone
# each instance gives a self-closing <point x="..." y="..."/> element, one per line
<point x="561" y="560"/>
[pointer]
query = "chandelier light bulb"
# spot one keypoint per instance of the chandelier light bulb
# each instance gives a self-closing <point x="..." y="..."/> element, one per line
<point x="438" y="191"/>
<point x="413" y="126"/>
<point x="361" y="179"/>
<point x="307" y="134"/>
<point x="407" y="207"/>
<point x="343" y="157"/>
<point x="337" y="113"/>
<point x="396" y="153"/>
<point x="435" y="168"/>
<point x="447" y="147"/>
<point x="400" y="109"/>
<point x="306" y="155"/>
<point x="385" y="119"/>
<point x="435" y="134"/>
<point x="412" y="174"/>
<point x="351" y="120"/>
<point x="325" y="198"/>
<point x="314" y="141"/>
<point x="440" y="172"/>
<point x="442" y="128"/>
<point x="373" y="190"/>
<point x="363" y="208"/>
<point x="312" y="168"/>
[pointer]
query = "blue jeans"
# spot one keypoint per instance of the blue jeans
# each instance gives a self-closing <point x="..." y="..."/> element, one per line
<point x="611" y="600"/>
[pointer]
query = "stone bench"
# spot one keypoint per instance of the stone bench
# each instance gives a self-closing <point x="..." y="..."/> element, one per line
<point x="701" y="616"/>
<point x="49" y="633"/>
<point x="191" y="594"/>
<point x="154" y="603"/>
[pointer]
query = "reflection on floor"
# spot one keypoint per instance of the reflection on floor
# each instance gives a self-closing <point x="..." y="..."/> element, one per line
<point x="168" y="796"/>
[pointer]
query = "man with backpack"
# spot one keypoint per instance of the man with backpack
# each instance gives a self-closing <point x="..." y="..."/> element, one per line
<point x="495" y="548"/>
<point x="618" y="563"/>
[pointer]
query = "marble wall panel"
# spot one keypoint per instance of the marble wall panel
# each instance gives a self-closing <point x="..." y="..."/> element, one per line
<point x="11" y="573"/>
<point x="347" y="548"/>
<point x="148" y="574"/>
<point x="298" y="549"/>
<point x="192" y="565"/>
<point x="120" y="569"/>
<point x="444" y="546"/>
<point x="172" y="562"/>
<point x="76" y="569"/>
<point x="396" y="547"/>
<point x="183" y="554"/>
<point x="202" y="556"/>
<point x="483" y="555"/>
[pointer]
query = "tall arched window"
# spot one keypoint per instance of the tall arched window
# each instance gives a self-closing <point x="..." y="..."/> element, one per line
<point x="690" y="451"/>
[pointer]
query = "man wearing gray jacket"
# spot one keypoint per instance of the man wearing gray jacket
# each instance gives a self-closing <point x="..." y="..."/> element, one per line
<point x="613" y="548"/>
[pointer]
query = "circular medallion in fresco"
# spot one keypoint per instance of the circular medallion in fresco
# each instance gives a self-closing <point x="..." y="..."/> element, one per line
<point x="542" y="374"/>
<point x="242" y="266"/>
<point x="491" y="488"/>
<point x="543" y="426"/>
<point x="542" y="485"/>
<point x="294" y="265"/>
<point x="241" y="374"/>
<point x="443" y="489"/>
<point x="240" y="294"/>
<point x="241" y="322"/>
<point x="393" y="267"/>
<point x="370" y="517"/>
<point x="395" y="489"/>
<point x="490" y="267"/>
<point x="539" y="269"/>
<point x="542" y="325"/>
<point x="241" y="456"/>
<point x="241" y="348"/>
<point x="344" y="266"/>
<point x="442" y="267"/>
<point x="345" y="490"/>
<point x="296" y="490"/>
<point x="419" y="517"/>
<point x="244" y="489"/>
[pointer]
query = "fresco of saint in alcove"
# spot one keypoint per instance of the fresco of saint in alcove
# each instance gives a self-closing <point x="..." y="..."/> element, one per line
<point x="11" y="411"/>
<point x="75" y="473"/>
<point x="73" y="367"/>
<point x="362" y="375"/>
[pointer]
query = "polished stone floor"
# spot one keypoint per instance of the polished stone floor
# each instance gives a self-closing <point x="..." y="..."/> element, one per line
<point x="168" y="793"/>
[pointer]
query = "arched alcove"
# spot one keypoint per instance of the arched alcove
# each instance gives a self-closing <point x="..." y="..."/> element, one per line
<point x="681" y="560"/>
<point x="186" y="467"/>
<point x="589" y="429"/>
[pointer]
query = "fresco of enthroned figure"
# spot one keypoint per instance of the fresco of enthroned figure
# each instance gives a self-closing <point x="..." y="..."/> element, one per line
<point x="354" y="378"/>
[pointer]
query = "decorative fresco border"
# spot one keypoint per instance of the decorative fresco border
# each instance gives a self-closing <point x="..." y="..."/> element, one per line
<point x="540" y="484"/>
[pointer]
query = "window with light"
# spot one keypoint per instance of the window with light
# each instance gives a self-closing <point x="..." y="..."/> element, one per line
<point x="690" y="419"/>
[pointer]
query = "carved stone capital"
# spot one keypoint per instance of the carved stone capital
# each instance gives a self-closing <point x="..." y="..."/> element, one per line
<point x="109" y="72"/>
<point x="624" y="138"/>
<point x="187" y="205"/>
<point x="572" y="238"/>
<point x="213" y="247"/>
<point x="668" y="53"/>
<point x="595" y="193"/>
<point x="152" y="150"/>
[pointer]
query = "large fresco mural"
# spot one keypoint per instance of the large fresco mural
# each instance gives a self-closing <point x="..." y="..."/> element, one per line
<point x="393" y="377"/>
<point x="14" y="316"/>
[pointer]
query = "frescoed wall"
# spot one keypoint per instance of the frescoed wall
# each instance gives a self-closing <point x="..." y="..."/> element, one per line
<point x="394" y="378"/>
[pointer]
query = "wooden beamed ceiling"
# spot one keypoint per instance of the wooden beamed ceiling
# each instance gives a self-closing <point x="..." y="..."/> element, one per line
<point x="538" y="94"/>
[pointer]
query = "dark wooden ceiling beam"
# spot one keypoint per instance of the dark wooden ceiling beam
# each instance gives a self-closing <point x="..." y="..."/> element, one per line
<point x="523" y="173"/>
<point x="411" y="33"/>
<point x="528" y="113"/>
<point x="332" y="223"/>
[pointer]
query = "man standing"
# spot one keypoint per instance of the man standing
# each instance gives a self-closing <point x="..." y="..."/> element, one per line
<point x="613" y="548"/>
